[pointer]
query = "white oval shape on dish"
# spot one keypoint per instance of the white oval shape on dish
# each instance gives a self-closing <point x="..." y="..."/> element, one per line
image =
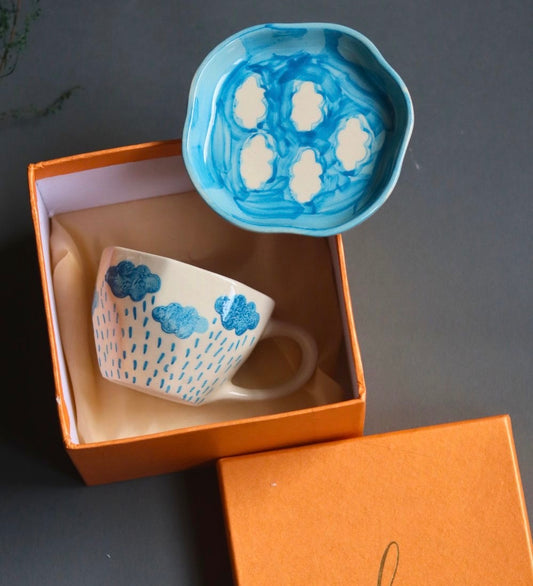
<point x="256" y="162"/>
<point x="307" y="107"/>
<point x="249" y="107"/>
<point x="351" y="141"/>
<point x="305" y="182"/>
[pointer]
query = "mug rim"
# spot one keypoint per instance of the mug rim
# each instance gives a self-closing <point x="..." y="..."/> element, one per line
<point x="190" y="266"/>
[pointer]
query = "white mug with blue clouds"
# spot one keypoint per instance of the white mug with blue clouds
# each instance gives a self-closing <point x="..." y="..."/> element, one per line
<point x="179" y="332"/>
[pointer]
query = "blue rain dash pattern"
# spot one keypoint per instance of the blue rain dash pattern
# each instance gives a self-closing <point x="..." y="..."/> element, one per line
<point x="202" y="367"/>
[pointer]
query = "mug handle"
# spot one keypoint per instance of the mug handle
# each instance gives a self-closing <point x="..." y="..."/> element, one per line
<point x="309" y="354"/>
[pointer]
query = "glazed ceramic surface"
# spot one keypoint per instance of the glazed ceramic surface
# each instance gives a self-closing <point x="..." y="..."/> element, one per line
<point x="180" y="332"/>
<point x="296" y="128"/>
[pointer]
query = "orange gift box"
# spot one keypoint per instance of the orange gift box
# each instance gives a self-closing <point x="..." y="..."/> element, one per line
<point x="437" y="505"/>
<point x="77" y="203"/>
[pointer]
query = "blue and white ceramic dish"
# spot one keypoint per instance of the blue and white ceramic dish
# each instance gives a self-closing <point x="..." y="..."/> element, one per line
<point x="296" y="128"/>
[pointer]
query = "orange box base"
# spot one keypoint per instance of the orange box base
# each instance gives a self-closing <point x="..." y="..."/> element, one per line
<point x="150" y="170"/>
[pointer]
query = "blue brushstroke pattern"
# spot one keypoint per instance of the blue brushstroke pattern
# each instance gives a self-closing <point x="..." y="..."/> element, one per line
<point x="348" y="90"/>
<point x="237" y="314"/>
<point x="179" y="320"/>
<point x="351" y="65"/>
<point x="127" y="279"/>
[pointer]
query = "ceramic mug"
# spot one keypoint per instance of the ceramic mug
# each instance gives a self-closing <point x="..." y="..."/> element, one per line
<point x="180" y="332"/>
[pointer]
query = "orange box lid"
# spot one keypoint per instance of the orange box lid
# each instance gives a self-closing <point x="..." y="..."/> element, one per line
<point x="436" y="505"/>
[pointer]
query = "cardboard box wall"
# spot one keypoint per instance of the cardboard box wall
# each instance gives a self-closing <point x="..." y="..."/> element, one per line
<point x="141" y="197"/>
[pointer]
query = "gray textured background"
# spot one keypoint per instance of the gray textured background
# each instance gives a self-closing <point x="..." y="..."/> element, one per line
<point x="441" y="276"/>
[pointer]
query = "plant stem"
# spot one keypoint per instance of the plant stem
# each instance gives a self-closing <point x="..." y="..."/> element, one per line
<point x="3" y="62"/>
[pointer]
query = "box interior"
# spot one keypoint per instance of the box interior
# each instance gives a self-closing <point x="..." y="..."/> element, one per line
<point x="82" y="212"/>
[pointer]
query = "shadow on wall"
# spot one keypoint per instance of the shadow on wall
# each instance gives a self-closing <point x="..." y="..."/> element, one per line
<point x="207" y="522"/>
<point x="28" y="419"/>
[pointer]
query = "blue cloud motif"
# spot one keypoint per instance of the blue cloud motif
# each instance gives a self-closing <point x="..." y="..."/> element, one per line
<point x="136" y="281"/>
<point x="179" y="320"/>
<point x="236" y="313"/>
